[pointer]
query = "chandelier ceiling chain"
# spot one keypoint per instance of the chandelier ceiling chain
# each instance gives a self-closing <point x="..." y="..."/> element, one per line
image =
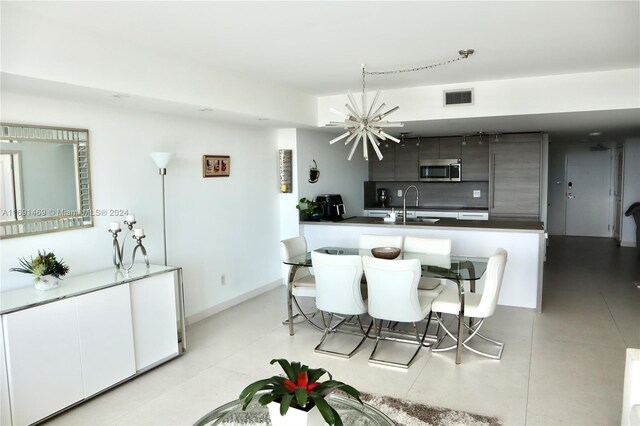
<point x="364" y="122"/>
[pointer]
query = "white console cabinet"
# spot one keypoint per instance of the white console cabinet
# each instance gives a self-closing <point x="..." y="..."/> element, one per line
<point x="62" y="346"/>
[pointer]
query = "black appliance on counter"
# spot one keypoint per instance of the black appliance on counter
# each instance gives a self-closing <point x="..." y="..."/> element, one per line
<point x="332" y="206"/>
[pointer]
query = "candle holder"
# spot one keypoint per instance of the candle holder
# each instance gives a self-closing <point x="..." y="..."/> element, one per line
<point x="118" y="250"/>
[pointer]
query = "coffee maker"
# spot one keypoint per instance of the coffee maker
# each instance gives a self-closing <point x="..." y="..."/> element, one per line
<point x="384" y="199"/>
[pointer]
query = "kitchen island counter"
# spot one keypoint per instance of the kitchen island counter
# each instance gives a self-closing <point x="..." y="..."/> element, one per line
<point x="486" y="225"/>
<point x="524" y="242"/>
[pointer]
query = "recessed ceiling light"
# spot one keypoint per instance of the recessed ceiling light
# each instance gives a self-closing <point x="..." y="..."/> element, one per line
<point x="595" y="134"/>
<point x="205" y="109"/>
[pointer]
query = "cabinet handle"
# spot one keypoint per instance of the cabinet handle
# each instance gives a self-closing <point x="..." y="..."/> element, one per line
<point x="493" y="180"/>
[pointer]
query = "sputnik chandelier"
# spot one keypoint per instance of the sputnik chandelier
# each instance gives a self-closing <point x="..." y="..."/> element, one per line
<point x="365" y="122"/>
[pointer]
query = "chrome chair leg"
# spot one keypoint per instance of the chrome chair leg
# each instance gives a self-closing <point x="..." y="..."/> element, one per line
<point x="474" y="332"/>
<point x="419" y="341"/>
<point x="304" y="315"/>
<point x="334" y="329"/>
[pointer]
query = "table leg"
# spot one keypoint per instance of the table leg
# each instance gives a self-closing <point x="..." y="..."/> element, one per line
<point x="292" y="274"/>
<point x="460" y="284"/>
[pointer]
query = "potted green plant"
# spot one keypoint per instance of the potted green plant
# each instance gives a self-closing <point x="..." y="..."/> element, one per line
<point x="299" y="390"/>
<point x="309" y="209"/>
<point x="45" y="268"/>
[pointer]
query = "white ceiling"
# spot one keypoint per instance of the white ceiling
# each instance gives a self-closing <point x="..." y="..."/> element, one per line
<point x="318" y="47"/>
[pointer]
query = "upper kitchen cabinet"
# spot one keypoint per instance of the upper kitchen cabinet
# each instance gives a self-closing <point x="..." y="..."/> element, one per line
<point x="475" y="159"/>
<point x="450" y="147"/>
<point x="429" y="148"/>
<point x="435" y="148"/>
<point x="406" y="164"/>
<point x="515" y="176"/>
<point x="385" y="169"/>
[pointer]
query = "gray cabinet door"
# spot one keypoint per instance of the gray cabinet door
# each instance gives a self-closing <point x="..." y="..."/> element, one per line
<point x="385" y="169"/>
<point x="450" y="147"/>
<point x="407" y="160"/>
<point x="429" y="149"/>
<point x="515" y="176"/>
<point x="475" y="159"/>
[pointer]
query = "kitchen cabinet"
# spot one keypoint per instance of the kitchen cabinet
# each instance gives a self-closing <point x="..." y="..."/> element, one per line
<point x="436" y="148"/>
<point x="515" y="177"/>
<point x="475" y="159"/>
<point x="406" y="164"/>
<point x="383" y="170"/>
<point x="66" y="345"/>
<point x="450" y="147"/>
<point x="429" y="149"/>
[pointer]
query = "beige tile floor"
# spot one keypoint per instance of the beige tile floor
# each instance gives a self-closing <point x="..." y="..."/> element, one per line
<point x="564" y="366"/>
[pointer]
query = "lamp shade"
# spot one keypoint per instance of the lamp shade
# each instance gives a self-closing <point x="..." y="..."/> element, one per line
<point x="162" y="159"/>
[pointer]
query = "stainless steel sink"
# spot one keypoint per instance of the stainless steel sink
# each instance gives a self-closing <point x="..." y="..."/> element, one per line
<point x="423" y="219"/>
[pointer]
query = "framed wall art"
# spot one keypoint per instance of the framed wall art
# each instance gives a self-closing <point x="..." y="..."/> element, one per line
<point x="216" y="166"/>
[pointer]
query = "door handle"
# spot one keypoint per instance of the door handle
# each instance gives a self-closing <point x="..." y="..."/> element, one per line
<point x="570" y="195"/>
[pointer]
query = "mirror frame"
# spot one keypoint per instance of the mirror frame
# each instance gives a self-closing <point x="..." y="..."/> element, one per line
<point x="83" y="217"/>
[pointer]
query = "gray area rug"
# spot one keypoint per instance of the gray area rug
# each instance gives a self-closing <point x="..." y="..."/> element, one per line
<point x="402" y="412"/>
<point x="407" y="413"/>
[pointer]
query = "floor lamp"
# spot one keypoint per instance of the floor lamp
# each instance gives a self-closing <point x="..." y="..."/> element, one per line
<point x="162" y="160"/>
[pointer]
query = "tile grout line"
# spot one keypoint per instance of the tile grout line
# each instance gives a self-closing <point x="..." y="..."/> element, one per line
<point x="526" y="405"/>
<point x="613" y="318"/>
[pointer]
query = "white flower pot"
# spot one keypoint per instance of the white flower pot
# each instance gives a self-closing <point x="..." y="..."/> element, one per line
<point x="294" y="416"/>
<point x="47" y="282"/>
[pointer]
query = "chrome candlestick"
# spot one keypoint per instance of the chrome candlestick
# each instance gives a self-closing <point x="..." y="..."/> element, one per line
<point x="118" y="250"/>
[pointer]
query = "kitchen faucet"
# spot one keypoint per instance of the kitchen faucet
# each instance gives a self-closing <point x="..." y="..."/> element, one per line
<point x="404" y="202"/>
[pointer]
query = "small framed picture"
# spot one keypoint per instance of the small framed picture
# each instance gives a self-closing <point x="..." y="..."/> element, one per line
<point x="216" y="166"/>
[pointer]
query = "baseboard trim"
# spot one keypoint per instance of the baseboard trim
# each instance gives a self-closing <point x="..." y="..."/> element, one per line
<point x="627" y="243"/>
<point x="199" y="316"/>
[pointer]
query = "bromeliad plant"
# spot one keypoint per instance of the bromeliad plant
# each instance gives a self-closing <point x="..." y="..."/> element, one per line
<point x="44" y="264"/>
<point x="300" y="389"/>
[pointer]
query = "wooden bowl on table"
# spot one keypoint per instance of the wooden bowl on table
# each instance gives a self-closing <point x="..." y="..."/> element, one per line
<point x="385" y="252"/>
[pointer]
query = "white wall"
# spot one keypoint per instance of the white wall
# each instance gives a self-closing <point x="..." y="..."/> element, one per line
<point x="631" y="190"/>
<point x="337" y="174"/>
<point x="214" y="225"/>
<point x="607" y="90"/>
<point x="74" y="54"/>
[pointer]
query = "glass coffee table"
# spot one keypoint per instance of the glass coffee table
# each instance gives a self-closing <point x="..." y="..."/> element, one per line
<point x="351" y="412"/>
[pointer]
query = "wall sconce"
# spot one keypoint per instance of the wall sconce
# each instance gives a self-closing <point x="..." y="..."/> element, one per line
<point x="285" y="168"/>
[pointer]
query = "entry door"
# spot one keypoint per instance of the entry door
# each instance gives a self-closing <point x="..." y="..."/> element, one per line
<point x="589" y="195"/>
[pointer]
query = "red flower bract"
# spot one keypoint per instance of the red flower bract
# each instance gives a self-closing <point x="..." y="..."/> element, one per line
<point x="303" y="382"/>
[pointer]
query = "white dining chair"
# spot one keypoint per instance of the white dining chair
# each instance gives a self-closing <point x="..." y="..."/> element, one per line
<point x="394" y="297"/>
<point x="369" y="241"/>
<point x="304" y="283"/>
<point x="476" y="305"/>
<point x="430" y="246"/>
<point x="338" y="293"/>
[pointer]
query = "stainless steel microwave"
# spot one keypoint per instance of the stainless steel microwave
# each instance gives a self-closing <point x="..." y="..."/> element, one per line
<point x="442" y="170"/>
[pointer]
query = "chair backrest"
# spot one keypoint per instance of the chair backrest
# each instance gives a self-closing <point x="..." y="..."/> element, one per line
<point x="368" y="241"/>
<point x="392" y="287"/>
<point x="492" y="284"/>
<point x="427" y="245"/>
<point x="293" y="247"/>
<point x="338" y="283"/>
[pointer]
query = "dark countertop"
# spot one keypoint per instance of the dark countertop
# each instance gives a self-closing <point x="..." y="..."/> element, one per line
<point x="489" y="225"/>
<point x="432" y="209"/>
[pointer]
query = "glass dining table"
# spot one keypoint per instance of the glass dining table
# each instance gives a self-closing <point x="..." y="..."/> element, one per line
<point x="451" y="267"/>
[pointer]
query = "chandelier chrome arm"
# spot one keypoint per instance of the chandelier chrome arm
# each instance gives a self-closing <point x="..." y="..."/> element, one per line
<point x="365" y="121"/>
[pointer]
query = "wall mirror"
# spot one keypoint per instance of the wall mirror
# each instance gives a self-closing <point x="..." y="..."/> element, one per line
<point x="44" y="180"/>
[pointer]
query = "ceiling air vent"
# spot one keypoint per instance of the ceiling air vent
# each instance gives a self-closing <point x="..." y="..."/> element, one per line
<point x="458" y="97"/>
